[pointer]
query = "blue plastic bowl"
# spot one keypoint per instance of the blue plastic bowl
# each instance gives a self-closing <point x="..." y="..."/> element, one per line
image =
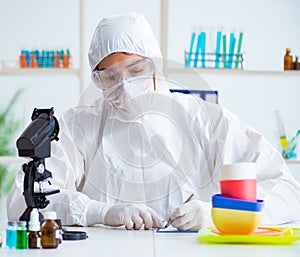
<point x="218" y="201"/>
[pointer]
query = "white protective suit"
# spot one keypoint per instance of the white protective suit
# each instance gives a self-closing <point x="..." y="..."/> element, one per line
<point x="159" y="156"/>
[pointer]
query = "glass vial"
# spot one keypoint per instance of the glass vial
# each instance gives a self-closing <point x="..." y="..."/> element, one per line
<point x="11" y="234"/>
<point x="34" y="238"/>
<point x="21" y="235"/>
<point x="50" y="231"/>
<point x="296" y="64"/>
<point x="288" y="60"/>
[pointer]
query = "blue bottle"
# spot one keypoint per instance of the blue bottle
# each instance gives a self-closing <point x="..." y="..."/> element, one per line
<point x="11" y="234"/>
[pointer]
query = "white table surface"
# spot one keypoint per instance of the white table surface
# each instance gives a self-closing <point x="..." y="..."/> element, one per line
<point x="104" y="241"/>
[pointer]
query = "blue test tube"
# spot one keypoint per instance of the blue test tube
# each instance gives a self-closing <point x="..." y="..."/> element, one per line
<point x="27" y="53"/>
<point x="51" y="59"/>
<point x="218" y="49"/>
<point x="203" y="48"/>
<point x="188" y="60"/>
<point x="197" y="50"/>
<point x="231" y="50"/>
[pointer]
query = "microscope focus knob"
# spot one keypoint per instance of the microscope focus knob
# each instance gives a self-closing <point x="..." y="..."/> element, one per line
<point x="41" y="168"/>
<point x="25" y="167"/>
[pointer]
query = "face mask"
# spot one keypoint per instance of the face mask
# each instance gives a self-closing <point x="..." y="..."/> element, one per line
<point x="130" y="96"/>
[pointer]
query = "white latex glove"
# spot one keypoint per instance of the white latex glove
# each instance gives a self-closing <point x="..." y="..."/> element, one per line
<point x="193" y="215"/>
<point x="133" y="216"/>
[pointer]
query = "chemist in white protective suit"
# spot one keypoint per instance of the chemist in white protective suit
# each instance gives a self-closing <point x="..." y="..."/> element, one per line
<point x="136" y="154"/>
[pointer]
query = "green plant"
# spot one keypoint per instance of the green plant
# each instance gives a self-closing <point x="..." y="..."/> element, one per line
<point x="9" y="126"/>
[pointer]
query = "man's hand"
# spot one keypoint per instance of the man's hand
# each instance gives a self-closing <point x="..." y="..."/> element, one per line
<point x="133" y="216"/>
<point x="191" y="216"/>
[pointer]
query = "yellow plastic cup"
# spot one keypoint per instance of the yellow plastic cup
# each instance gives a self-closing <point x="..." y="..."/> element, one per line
<point x="235" y="222"/>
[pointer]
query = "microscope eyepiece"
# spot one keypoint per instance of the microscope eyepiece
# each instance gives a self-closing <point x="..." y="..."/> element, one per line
<point x="34" y="142"/>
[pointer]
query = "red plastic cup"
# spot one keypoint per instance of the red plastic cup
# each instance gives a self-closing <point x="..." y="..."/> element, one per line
<point x="239" y="189"/>
<point x="238" y="181"/>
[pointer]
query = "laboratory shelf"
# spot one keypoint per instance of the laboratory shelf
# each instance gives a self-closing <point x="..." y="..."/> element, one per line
<point x="293" y="161"/>
<point x="6" y="160"/>
<point x="40" y="72"/>
<point x="76" y="72"/>
<point x="232" y="71"/>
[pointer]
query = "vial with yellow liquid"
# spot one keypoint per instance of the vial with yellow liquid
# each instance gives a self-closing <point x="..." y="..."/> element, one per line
<point x="283" y="141"/>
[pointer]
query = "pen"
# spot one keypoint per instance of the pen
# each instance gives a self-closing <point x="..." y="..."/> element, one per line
<point x="187" y="200"/>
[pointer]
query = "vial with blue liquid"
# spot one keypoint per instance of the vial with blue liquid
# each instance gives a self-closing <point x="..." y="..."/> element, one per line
<point x="11" y="234"/>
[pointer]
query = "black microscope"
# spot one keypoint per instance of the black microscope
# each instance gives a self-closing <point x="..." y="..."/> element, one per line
<point x="35" y="143"/>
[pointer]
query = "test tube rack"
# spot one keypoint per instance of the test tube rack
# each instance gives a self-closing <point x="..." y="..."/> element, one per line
<point x="209" y="60"/>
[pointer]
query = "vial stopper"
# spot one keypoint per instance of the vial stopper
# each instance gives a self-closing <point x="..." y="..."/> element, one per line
<point x="34" y="223"/>
<point x="50" y="215"/>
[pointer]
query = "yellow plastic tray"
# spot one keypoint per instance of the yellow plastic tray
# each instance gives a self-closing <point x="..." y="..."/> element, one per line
<point x="281" y="235"/>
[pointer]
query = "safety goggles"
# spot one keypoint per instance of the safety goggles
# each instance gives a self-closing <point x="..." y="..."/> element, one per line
<point x="110" y="77"/>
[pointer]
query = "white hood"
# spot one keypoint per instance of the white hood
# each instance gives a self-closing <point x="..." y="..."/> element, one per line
<point x="129" y="33"/>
